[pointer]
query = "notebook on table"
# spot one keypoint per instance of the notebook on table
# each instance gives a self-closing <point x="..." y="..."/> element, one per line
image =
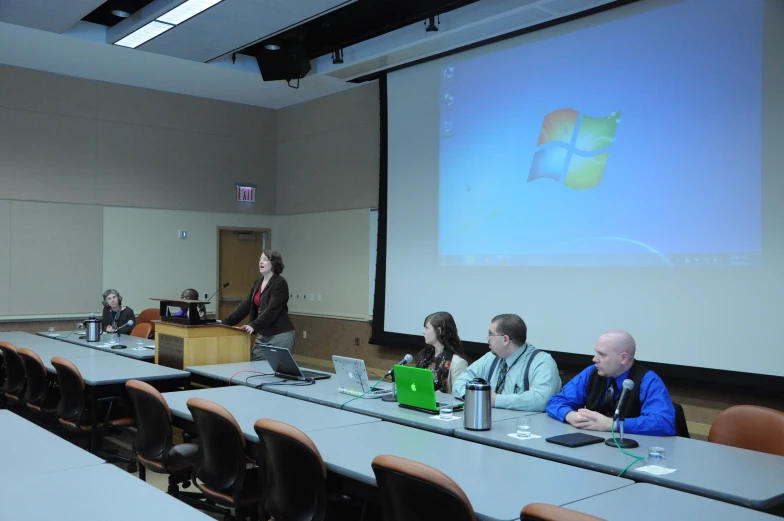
<point x="353" y="379"/>
<point x="283" y="364"/>
<point x="415" y="389"/>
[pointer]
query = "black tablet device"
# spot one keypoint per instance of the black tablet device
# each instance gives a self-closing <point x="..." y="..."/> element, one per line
<point x="575" y="439"/>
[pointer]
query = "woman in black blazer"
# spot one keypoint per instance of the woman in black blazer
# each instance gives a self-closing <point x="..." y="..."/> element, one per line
<point x="267" y="305"/>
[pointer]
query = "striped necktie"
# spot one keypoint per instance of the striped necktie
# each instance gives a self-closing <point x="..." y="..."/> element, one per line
<point x="499" y="387"/>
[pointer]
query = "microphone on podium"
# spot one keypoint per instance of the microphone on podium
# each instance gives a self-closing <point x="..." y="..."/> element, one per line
<point x="225" y="285"/>
<point x="628" y="443"/>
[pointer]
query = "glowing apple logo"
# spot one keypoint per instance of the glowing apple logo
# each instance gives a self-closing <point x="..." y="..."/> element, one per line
<point x="413" y="387"/>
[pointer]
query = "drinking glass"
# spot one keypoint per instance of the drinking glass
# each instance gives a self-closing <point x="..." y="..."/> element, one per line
<point x="445" y="410"/>
<point x="50" y="331"/>
<point x="524" y="427"/>
<point x="657" y="457"/>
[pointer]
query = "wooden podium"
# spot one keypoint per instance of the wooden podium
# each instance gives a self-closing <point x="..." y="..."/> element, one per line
<point x="179" y="346"/>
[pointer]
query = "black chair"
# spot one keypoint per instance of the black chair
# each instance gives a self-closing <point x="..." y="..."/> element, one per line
<point x="13" y="388"/>
<point x="681" y="427"/>
<point x="413" y="491"/>
<point x="294" y="484"/>
<point x="220" y="470"/>
<point x="154" y="448"/>
<point x="41" y="395"/>
<point x="74" y="415"/>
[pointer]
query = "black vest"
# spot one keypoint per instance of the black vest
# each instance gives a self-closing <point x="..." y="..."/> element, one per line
<point x="597" y="386"/>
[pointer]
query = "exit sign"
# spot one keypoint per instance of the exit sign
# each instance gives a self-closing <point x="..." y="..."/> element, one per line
<point x="246" y="194"/>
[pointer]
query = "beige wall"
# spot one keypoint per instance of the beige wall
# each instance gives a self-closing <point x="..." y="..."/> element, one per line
<point x="328" y="153"/>
<point x="65" y="139"/>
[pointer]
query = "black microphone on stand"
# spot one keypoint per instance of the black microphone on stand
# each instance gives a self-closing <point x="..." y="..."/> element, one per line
<point x="628" y="443"/>
<point x="392" y="397"/>
<point x="225" y="285"/>
<point x="120" y="346"/>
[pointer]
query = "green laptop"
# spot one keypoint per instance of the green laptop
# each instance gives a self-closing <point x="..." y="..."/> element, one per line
<point x="415" y="389"/>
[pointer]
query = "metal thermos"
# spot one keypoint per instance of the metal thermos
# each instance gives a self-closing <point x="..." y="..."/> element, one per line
<point x="92" y="328"/>
<point x="477" y="412"/>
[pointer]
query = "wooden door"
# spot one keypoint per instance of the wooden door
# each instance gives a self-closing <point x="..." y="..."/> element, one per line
<point x="238" y="264"/>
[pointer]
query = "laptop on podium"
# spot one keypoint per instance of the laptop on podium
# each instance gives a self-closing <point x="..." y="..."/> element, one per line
<point x="415" y="389"/>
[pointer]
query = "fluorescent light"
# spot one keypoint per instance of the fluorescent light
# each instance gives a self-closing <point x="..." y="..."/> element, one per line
<point x="272" y="47"/>
<point x="144" y="34"/>
<point x="186" y="10"/>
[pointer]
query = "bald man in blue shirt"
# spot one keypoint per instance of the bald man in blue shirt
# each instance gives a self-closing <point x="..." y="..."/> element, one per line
<point x="589" y="400"/>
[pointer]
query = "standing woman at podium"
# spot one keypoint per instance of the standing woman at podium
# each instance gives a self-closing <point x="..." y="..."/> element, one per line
<point x="267" y="305"/>
<point x="115" y="314"/>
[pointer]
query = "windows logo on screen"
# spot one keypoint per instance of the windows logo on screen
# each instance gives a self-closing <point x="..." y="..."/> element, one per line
<point x="573" y="148"/>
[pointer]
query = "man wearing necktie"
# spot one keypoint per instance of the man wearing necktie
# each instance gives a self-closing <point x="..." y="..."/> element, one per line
<point x="520" y="376"/>
<point x="590" y="399"/>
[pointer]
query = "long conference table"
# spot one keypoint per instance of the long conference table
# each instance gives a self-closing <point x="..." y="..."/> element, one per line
<point x="348" y="442"/>
<point x="104" y="373"/>
<point x="146" y="353"/>
<point x="258" y="374"/>
<point x="751" y="479"/>
<point x="43" y="476"/>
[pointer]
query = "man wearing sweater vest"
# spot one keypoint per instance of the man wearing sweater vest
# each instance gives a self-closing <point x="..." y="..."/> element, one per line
<point x="589" y="400"/>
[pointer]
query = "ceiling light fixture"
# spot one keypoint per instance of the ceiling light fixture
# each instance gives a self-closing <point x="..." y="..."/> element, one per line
<point x="120" y="13"/>
<point x="187" y="10"/>
<point x="144" y="34"/>
<point x="272" y="47"/>
<point x="337" y="57"/>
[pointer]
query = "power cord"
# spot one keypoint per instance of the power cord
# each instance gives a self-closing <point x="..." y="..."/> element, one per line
<point x="636" y="458"/>
<point x="363" y="394"/>
<point x="256" y="373"/>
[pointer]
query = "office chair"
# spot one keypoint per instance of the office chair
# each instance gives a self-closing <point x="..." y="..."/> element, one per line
<point x="142" y="330"/>
<point x="294" y="482"/>
<point x="413" y="491"/>
<point x="154" y="448"/>
<point x="74" y="415"/>
<point x="545" y="512"/>
<point x="13" y="388"/>
<point x="750" y="427"/>
<point x="220" y="469"/>
<point x="681" y="427"/>
<point x="41" y="395"/>
<point x="147" y="316"/>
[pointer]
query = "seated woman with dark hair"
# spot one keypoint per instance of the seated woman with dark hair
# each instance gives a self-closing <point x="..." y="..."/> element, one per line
<point x="444" y="353"/>
<point x="115" y="316"/>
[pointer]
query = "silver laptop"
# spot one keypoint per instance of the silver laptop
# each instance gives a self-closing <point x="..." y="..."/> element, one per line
<point x="353" y="379"/>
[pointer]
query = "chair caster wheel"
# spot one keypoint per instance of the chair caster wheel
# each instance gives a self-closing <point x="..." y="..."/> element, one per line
<point x="132" y="468"/>
<point x="186" y="484"/>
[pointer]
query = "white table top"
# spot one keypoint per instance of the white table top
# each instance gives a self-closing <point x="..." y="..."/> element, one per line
<point x="47" y="348"/>
<point x="645" y="502"/>
<point x="27" y="449"/>
<point x="90" y="494"/>
<point x="248" y="405"/>
<point x="497" y="482"/>
<point x="131" y="351"/>
<point x="747" y="478"/>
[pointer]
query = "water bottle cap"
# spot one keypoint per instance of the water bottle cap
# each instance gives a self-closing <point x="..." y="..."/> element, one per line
<point x="478" y="384"/>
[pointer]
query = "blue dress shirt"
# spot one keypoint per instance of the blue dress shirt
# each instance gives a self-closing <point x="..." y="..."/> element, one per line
<point x="657" y="414"/>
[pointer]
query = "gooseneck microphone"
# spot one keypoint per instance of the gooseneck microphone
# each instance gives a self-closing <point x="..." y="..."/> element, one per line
<point x="628" y="386"/>
<point x="225" y="285"/>
<point x="392" y="397"/>
<point x="406" y="360"/>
